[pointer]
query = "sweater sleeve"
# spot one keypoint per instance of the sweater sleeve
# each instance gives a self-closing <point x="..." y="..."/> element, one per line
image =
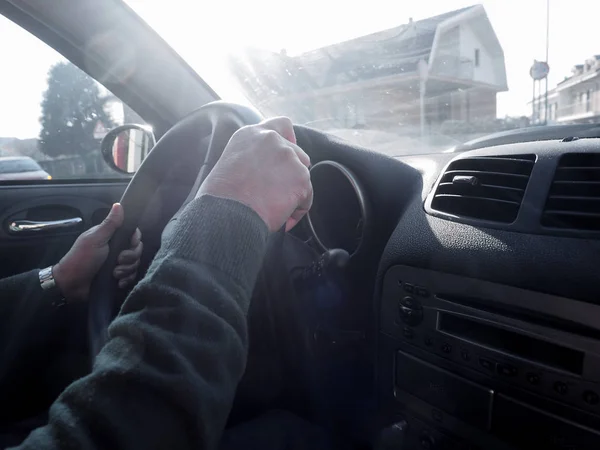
<point x="167" y="376"/>
<point x="27" y="315"/>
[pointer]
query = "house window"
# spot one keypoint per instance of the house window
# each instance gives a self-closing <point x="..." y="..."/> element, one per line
<point x="588" y="100"/>
<point x="476" y="57"/>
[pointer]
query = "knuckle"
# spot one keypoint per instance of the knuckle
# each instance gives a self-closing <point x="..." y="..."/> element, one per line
<point x="288" y="154"/>
<point x="270" y="136"/>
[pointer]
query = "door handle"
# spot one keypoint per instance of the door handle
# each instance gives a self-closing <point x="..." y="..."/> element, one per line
<point x="20" y="226"/>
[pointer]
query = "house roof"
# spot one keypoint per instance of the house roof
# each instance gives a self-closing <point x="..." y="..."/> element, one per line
<point x="392" y="52"/>
<point x="386" y="52"/>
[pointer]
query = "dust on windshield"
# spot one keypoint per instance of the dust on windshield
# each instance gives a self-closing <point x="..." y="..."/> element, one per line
<point x="396" y="77"/>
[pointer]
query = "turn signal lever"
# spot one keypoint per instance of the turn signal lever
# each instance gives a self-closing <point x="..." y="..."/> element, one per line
<point x="330" y="265"/>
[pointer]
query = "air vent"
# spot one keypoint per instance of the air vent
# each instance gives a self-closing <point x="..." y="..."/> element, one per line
<point x="485" y="187"/>
<point x="574" y="198"/>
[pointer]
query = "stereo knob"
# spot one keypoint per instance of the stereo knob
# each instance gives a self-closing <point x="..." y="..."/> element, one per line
<point x="427" y="441"/>
<point x="411" y="316"/>
<point x="561" y="387"/>
<point x="392" y="437"/>
<point x="411" y="312"/>
<point x="591" y="398"/>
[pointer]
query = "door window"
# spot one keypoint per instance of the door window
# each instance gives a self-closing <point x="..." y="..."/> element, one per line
<point x="53" y="116"/>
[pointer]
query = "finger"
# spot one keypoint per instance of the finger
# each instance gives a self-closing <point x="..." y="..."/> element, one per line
<point x="136" y="238"/>
<point x="129" y="281"/>
<point x="281" y="125"/>
<point x="301" y="210"/>
<point x="302" y="156"/>
<point x="110" y="224"/>
<point x="131" y="255"/>
<point x="123" y="271"/>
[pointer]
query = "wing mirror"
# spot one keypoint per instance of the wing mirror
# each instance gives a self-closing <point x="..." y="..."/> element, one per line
<point x="125" y="147"/>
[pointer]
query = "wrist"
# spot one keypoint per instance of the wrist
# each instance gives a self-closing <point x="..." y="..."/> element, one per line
<point x="64" y="284"/>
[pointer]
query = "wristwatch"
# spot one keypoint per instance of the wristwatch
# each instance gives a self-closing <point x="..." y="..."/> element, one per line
<point x="47" y="279"/>
<point x="48" y="284"/>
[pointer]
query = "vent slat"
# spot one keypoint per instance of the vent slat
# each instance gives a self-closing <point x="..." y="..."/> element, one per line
<point x="485" y="188"/>
<point x="481" y="191"/>
<point x="490" y="186"/>
<point x="472" y="197"/>
<point x="572" y="213"/>
<point x="574" y="198"/>
<point x="477" y="172"/>
<point x="586" y="182"/>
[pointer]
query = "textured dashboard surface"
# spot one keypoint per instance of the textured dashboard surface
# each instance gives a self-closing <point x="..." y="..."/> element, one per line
<point x="565" y="266"/>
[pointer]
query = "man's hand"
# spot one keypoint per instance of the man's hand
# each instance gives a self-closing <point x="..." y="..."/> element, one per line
<point x="263" y="168"/>
<point x="76" y="270"/>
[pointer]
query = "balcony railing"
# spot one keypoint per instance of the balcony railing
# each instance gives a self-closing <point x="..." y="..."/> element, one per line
<point x="578" y="109"/>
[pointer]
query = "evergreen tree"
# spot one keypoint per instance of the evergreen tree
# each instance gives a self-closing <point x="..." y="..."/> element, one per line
<point x="71" y="109"/>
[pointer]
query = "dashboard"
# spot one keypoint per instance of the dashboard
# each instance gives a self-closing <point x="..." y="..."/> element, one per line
<point x="477" y="286"/>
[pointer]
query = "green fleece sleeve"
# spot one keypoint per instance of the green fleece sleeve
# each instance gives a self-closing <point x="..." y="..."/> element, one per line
<point x="167" y="376"/>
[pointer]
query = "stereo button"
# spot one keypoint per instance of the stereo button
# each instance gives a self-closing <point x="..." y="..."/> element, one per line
<point x="533" y="378"/>
<point x="427" y="441"/>
<point x="422" y="292"/>
<point x="410" y="288"/>
<point x="486" y="364"/>
<point x="407" y="333"/>
<point x="465" y="355"/>
<point x="561" y="388"/>
<point x="591" y="398"/>
<point x="446" y="348"/>
<point x="507" y="370"/>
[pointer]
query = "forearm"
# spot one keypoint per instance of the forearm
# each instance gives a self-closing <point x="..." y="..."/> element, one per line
<point x="26" y="314"/>
<point x="167" y="376"/>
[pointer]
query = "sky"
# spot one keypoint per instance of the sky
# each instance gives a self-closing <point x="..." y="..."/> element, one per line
<point x="203" y="32"/>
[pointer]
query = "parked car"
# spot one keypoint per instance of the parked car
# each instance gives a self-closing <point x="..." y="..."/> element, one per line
<point x="21" y="168"/>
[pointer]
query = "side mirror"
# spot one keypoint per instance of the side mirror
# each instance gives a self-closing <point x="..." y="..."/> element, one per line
<point x="125" y="147"/>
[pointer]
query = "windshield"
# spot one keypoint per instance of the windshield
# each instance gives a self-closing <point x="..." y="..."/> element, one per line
<point x="397" y="77"/>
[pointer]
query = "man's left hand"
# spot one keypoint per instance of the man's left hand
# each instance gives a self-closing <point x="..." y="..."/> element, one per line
<point x="76" y="270"/>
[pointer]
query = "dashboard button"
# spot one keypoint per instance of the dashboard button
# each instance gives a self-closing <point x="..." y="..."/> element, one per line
<point x="408" y="333"/>
<point x="428" y="341"/>
<point x="411" y="316"/>
<point x="486" y="363"/>
<point x="507" y="370"/>
<point x="409" y="288"/>
<point x="533" y="378"/>
<point x="561" y="388"/>
<point x="591" y="398"/>
<point x="446" y="347"/>
<point x="465" y="355"/>
<point x="410" y="302"/>
<point x="427" y="441"/>
<point x="422" y="292"/>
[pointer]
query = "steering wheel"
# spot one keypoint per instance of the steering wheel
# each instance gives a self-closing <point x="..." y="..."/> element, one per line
<point x="202" y="135"/>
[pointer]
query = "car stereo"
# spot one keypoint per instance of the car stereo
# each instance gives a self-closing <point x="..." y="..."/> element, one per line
<point x="493" y="357"/>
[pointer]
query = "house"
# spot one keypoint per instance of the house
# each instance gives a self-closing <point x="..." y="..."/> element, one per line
<point x="444" y="68"/>
<point x="576" y="99"/>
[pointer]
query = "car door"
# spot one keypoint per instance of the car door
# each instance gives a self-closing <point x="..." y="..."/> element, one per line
<point x="54" y="183"/>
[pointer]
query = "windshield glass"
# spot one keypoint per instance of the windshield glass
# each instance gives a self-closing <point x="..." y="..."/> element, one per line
<point x="397" y="77"/>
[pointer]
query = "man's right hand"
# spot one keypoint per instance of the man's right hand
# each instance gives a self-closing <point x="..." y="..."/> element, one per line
<point x="263" y="168"/>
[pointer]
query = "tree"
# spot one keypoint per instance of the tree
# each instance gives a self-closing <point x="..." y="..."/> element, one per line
<point x="71" y="109"/>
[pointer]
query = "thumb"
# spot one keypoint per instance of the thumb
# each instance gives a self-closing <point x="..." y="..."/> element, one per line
<point x="110" y="224"/>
